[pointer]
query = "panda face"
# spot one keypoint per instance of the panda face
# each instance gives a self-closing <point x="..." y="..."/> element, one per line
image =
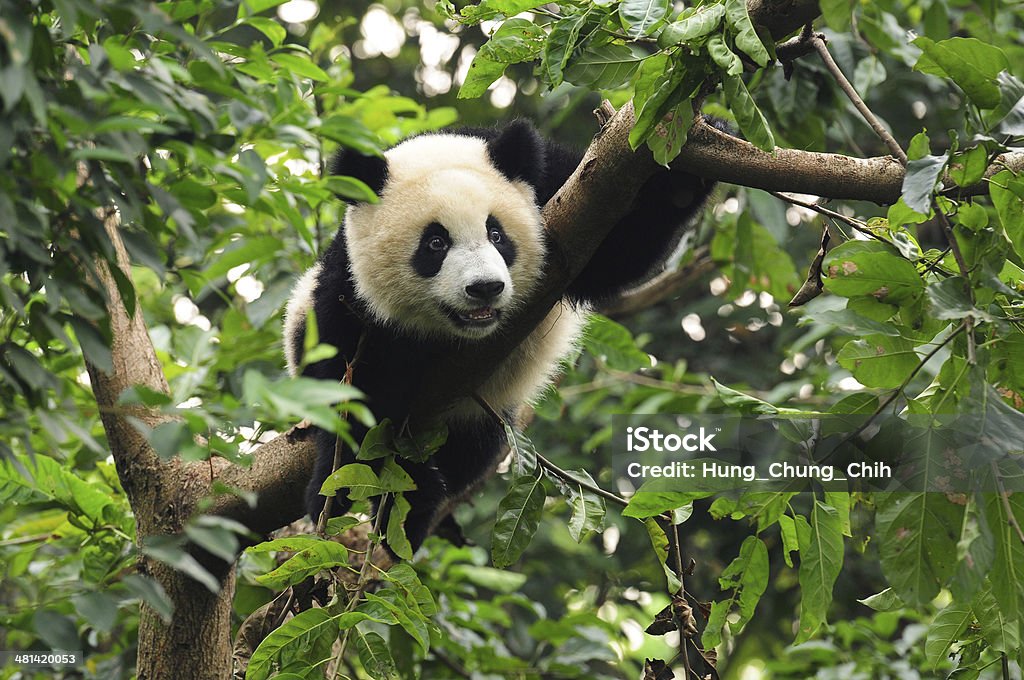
<point x="452" y="246"/>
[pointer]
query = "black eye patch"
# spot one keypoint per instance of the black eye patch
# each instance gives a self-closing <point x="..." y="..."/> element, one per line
<point x="500" y="240"/>
<point x="433" y="247"/>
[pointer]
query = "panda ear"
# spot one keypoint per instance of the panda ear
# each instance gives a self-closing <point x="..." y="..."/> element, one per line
<point x="371" y="170"/>
<point x="518" y="152"/>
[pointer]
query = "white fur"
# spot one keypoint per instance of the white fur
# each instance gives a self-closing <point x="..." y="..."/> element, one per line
<point x="296" y="312"/>
<point x="531" y="367"/>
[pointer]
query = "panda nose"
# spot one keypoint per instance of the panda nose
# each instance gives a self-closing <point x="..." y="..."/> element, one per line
<point x="485" y="290"/>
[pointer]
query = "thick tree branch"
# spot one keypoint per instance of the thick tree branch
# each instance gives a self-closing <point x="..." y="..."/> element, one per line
<point x="717" y="155"/>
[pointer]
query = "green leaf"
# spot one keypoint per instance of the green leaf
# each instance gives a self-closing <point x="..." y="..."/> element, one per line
<point x="487" y="10"/>
<point x="515" y="41"/>
<point x="313" y="558"/>
<point x="351" y="133"/>
<point x="885" y="601"/>
<point x="374" y="655"/>
<point x="693" y="24"/>
<point x="303" y="629"/>
<point x="644" y="504"/>
<point x="1001" y="632"/>
<point x="1007" y="572"/>
<point x="249" y="7"/>
<point x="605" y="66"/>
<point x="970" y="63"/>
<point x="169" y="550"/>
<point x="790" y="541"/>
<point x="837" y="14"/>
<point x="94" y="345"/>
<point x="270" y="28"/>
<point x="558" y="48"/>
<point x="920" y="180"/>
<point x="588" y="509"/>
<point x="851" y="322"/>
<point x="948" y="299"/>
<point x="746" y="37"/>
<point x="871" y="268"/>
<point x="299" y="65"/>
<point x="968" y="167"/>
<point x="350" y="187"/>
<point x="659" y="541"/>
<point x="879" y="360"/>
<point x="748" y="575"/>
<point x="408" y="616"/>
<point x="945" y="629"/>
<point x="751" y="121"/>
<point x="723" y="56"/>
<point x="397" y="540"/>
<point x="614" y="344"/>
<point x="917" y="534"/>
<point x="498" y="580"/>
<point x="518" y="518"/>
<point x="821" y="559"/>
<point x="641" y="17"/>
<point x="360" y="480"/>
<point x="1007" y="192"/>
<point x="669" y="137"/>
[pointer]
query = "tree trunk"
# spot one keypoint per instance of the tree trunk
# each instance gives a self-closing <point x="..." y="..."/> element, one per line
<point x="196" y="644"/>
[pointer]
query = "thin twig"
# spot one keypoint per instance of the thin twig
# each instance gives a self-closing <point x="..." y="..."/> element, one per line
<point x="682" y="593"/>
<point x="364" y="576"/>
<point x="899" y="390"/>
<point x="820" y="45"/>
<point x="961" y="264"/>
<point x="1010" y="516"/>
<point x="822" y="210"/>
<point x="548" y="465"/>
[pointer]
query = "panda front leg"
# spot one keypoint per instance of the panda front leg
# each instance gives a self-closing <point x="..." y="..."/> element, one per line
<point x="639" y="244"/>
<point x="470" y="451"/>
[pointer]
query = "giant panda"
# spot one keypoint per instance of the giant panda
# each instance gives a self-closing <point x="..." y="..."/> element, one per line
<point x="451" y="247"/>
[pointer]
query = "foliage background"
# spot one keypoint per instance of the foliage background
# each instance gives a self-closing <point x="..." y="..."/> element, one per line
<point x="206" y="124"/>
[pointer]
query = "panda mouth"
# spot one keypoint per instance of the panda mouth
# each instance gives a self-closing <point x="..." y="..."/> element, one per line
<point x="478" y="318"/>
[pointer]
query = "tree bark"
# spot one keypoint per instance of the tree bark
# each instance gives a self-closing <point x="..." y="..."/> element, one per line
<point x="196" y="643"/>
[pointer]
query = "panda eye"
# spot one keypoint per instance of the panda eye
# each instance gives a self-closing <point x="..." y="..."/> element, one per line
<point x="495" y="236"/>
<point x="437" y="244"/>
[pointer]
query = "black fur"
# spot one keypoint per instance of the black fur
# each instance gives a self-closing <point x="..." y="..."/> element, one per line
<point x="391" y="365"/>
<point x="504" y="245"/>
<point x="427" y="261"/>
<point x="371" y="170"/>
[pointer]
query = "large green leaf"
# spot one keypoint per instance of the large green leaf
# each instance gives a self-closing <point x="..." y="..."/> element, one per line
<point x="692" y="24"/>
<point x="879" y="360"/>
<point x="641" y="17"/>
<point x="970" y="63"/>
<point x="947" y="627"/>
<point x="605" y="66"/>
<point x="746" y="37"/>
<point x="304" y="630"/>
<point x="871" y="268"/>
<point x="311" y="559"/>
<point x="518" y="519"/>
<point x="748" y="116"/>
<point x="821" y="559"/>
<point x="917" y="533"/>
<point x="516" y="40"/>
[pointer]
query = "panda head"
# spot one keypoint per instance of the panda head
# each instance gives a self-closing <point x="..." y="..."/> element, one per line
<point x="455" y="241"/>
